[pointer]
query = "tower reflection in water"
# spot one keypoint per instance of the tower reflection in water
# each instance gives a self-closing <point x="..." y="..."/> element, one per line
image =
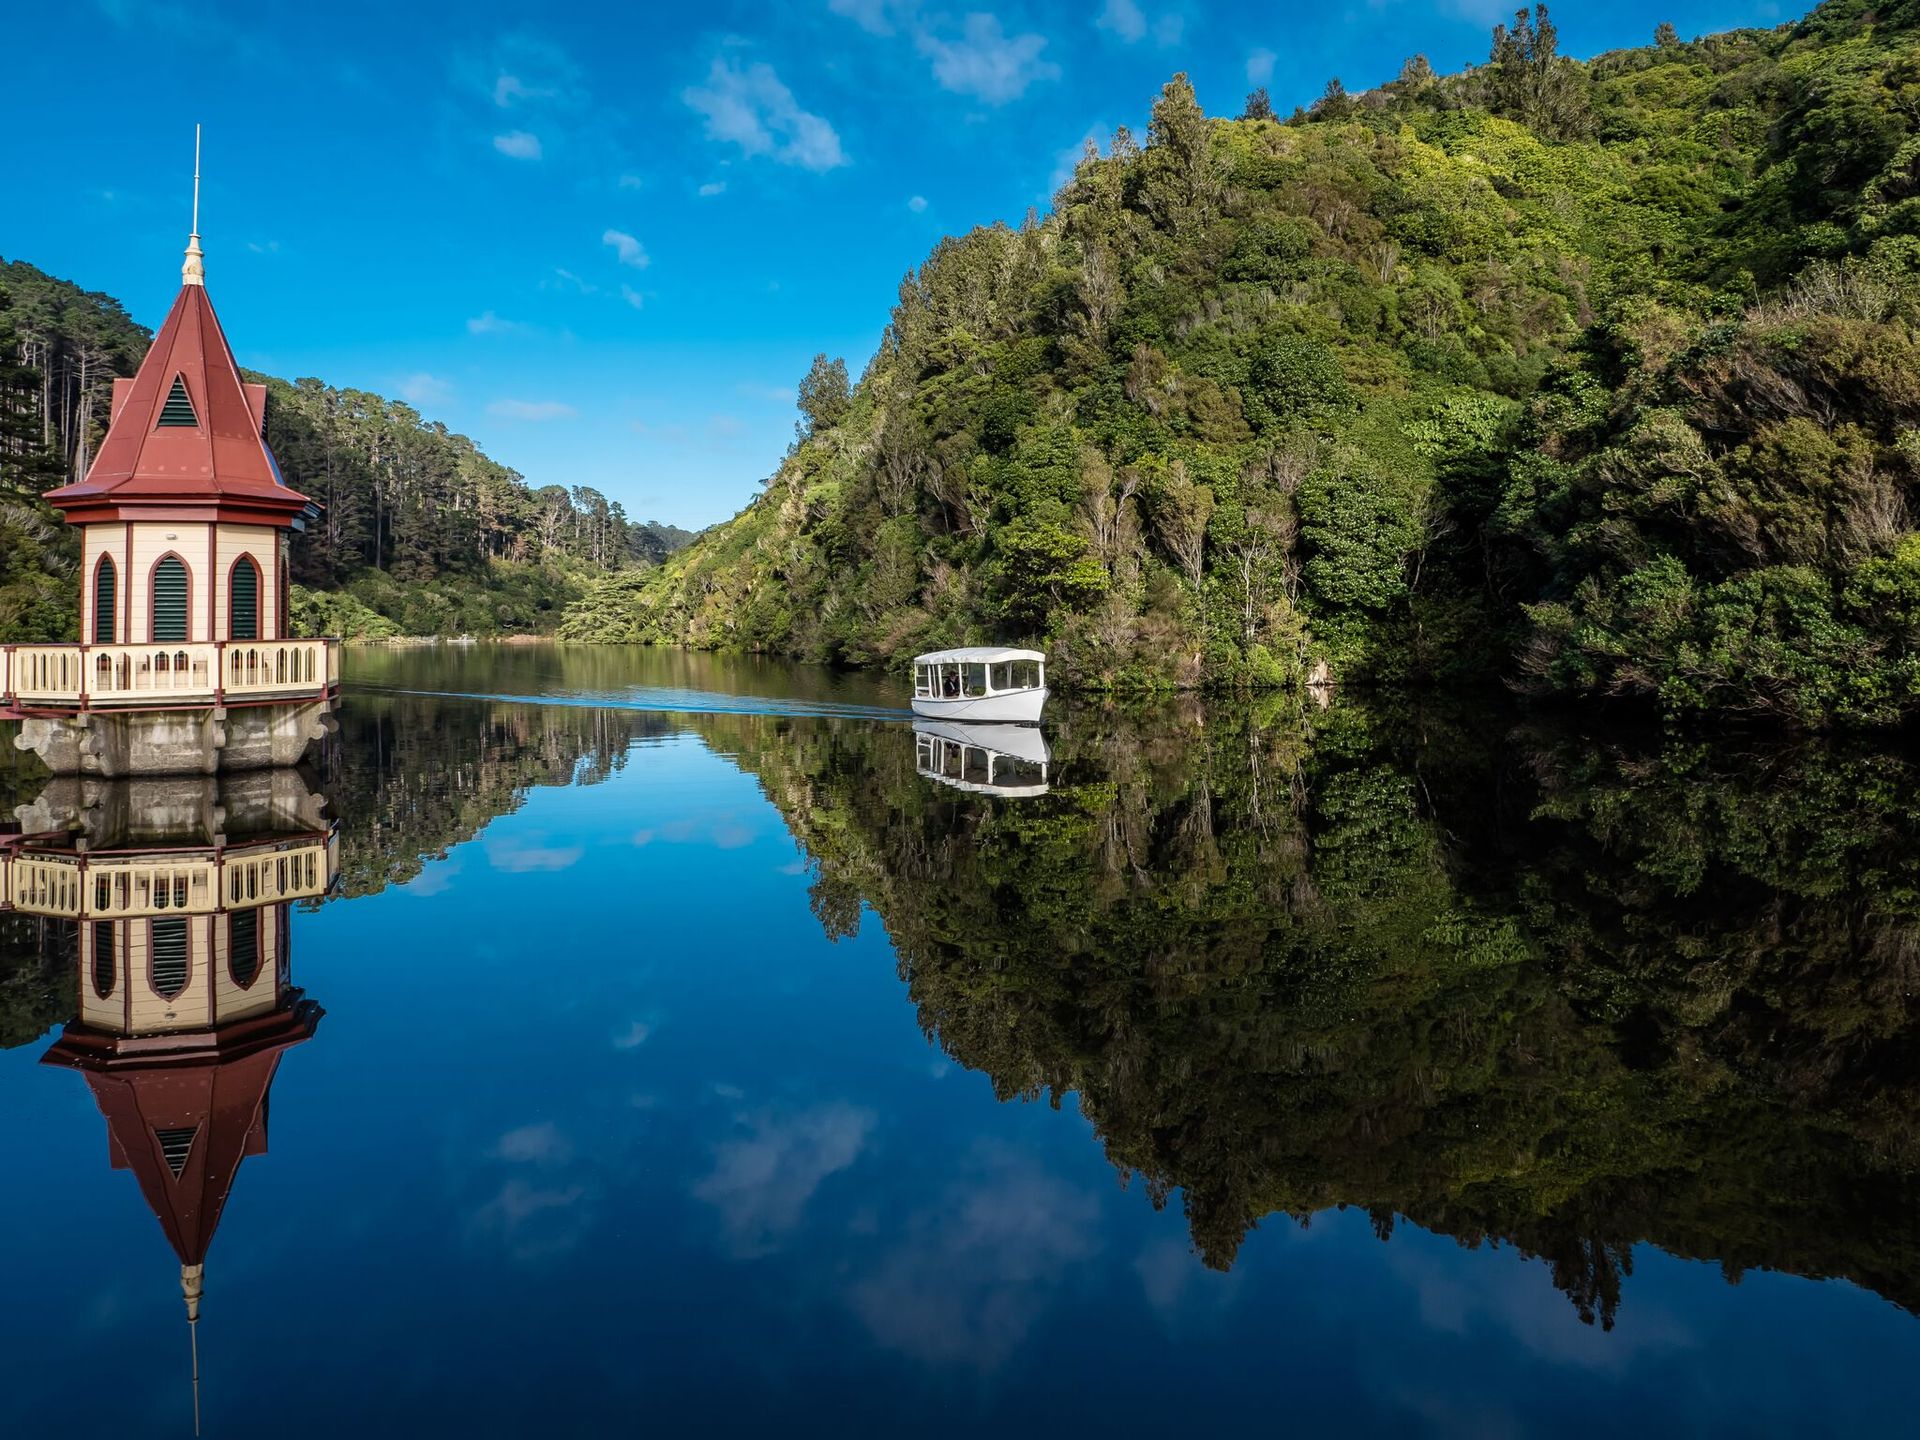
<point x="169" y="899"/>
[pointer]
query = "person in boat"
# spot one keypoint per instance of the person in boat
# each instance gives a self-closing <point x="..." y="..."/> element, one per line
<point x="950" y="684"/>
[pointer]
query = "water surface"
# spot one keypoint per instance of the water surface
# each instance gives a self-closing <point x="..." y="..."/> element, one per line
<point x="691" y="1062"/>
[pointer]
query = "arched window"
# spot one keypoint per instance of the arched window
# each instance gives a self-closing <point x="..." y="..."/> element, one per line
<point x="167" y="961"/>
<point x="103" y="966"/>
<point x="243" y="600"/>
<point x="243" y="947"/>
<point x="169" y="618"/>
<point x="106" y="591"/>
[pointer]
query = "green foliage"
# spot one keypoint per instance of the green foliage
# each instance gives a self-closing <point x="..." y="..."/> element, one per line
<point x="419" y="530"/>
<point x="1594" y="377"/>
<point x="1520" y="986"/>
<point x="824" y="396"/>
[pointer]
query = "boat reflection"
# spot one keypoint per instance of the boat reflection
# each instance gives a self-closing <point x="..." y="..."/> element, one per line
<point x="1006" y="760"/>
<point x="168" y="900"/>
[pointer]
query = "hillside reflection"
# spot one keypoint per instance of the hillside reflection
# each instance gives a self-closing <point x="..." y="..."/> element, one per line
<point x="1513" y="984"/>
<point x="1523" y="987"/>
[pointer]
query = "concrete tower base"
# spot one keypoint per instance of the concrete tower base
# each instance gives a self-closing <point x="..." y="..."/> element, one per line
<point x="210" y="740"/>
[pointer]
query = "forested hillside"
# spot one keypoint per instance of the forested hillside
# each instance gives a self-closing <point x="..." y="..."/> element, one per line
<point x="421" y="532"/>
<point x="1596" y="378"/>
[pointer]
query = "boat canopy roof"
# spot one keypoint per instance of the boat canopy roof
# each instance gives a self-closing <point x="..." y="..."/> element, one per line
<point x="976" y="655"/>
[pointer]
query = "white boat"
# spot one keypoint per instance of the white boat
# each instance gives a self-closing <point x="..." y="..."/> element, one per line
<point x="980" y="683"/>
<point x="994" y="759"/>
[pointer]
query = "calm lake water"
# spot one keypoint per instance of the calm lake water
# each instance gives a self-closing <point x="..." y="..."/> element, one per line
<point x="691" y="1063"/>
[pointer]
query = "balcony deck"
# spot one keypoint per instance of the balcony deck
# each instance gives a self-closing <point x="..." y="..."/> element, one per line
<point x="69" y="885"/>
<point x="64" y="679"/>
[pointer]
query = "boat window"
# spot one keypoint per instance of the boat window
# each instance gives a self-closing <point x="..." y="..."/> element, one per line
<point x="1002" y="676"/>
<point x="973" y="679"/>
<point x="1013" y="772"/>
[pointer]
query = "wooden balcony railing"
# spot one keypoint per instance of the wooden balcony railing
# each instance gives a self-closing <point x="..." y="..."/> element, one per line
<point x="130" y="676"/>
<point x="193" y="882"/>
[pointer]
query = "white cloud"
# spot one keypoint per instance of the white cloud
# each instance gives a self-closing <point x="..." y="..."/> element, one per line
<point x="1260" y="66"/>
<point x="523" y="858"/>
<point x="540" y="1144"/>
<point x="917" y="204"/>
<point x="629" y="182"/>
<point x="876" y="17"/>
<point x="1123" y="18"/>
<point x="489" y="323"/>
<point x="986" y="62"/>
<point x="523" y="71"/>
<point x="773" y="394"/>
<point x="973" y="1274"/>
<point x="713" y="188"/>
<point x="632" y="296"/>
<point x="630" y="250"/>
<point x="518" y="144"/>
<point x="750" y="107"/>
<point x="421" y="389"/>
<point x="633" y="1037"/>
<point x="518" y="857"/>
<point x="566" y="280"/>
<point x="761" y="1183"/>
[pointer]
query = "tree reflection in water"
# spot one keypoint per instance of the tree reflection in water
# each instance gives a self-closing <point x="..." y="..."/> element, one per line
<point x="1513" y="983"/>
<point x="1521" y="986"/>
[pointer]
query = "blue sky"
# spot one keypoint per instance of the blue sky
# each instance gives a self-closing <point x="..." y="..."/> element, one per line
<point x="607" y="244"/>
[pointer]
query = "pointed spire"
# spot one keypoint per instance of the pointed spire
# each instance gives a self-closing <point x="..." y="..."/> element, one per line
<point x="194" y="271"/>
<point x="190" y="1288"/>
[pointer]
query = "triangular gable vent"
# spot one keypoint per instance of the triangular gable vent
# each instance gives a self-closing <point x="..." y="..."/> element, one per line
<point x="175" y="1146"/>
<point x="179" y="408"/>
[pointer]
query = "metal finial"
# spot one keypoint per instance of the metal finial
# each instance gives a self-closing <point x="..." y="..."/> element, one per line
<point x="190" y="1288"/>
<point x="194" y="271"/>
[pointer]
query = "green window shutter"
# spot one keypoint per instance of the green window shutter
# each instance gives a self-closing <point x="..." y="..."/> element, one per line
<point x="178" y="411"/>
<point x="243" y="947"/>
<point x="104" y="597"/>
<point x="103" y="966"/>
<point x="168" y="956"/>
<point x="243" y="605"/>
<point x="169" y="600"/>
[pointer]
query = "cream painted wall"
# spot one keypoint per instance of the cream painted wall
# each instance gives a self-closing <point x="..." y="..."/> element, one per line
<point x="211" y="997"/>
<point x="259" y="541"/>
<point x="150" y="542"/>
<point x="190" y="542"/>
<point x="95" y="541"/>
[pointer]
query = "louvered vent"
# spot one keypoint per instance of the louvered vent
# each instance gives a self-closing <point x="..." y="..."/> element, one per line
<point x="243" y="621"/>
<point x="175" y="1146"/>
<point x="104" y="599"/>
<point x="178" y="411"/>
<point x="103" y="966"/>
<point x="243" y="947"/>
<point x="170" y="599"/>
<point x="169" y="956"/>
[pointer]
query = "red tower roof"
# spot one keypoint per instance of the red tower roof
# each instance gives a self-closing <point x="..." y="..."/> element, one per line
<point x="184" y="1110"/>
<point x="185" y="439"/>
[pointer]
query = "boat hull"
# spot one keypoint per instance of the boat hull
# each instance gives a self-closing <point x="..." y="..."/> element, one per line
<point x="1020" y="707"/>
